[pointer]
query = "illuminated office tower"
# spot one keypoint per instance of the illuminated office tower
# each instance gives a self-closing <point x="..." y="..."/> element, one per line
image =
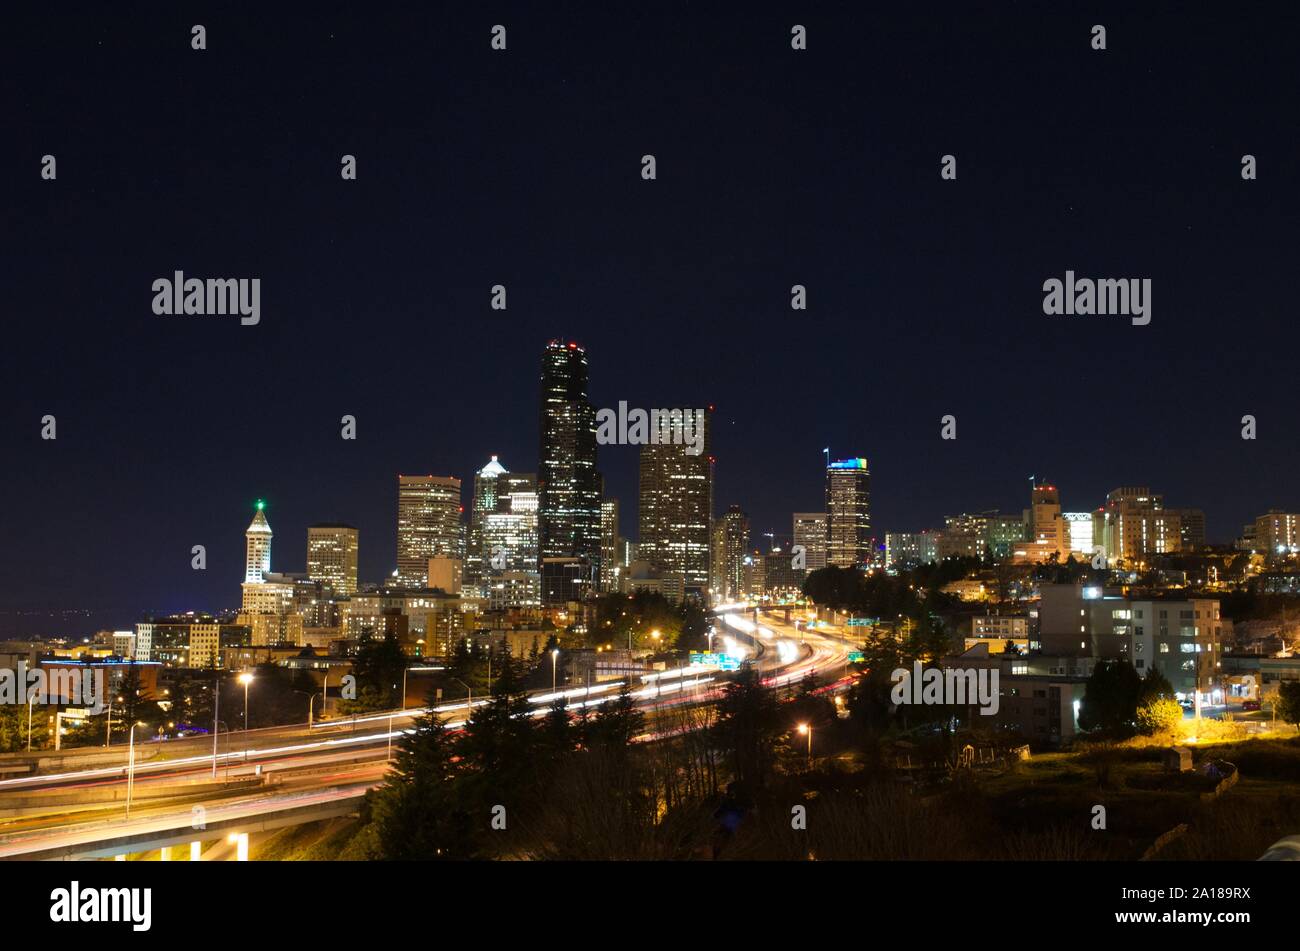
<point x="510" y="535"/>
<point x="428" y="525"/>
<point x="810" y="532"/>
<point x="1079" y="534"/>
<point x="609" y="566"/>
<point x="676" y="507"/>
<point x="848" y="513"/>
<point x="568" y="483"/>
<point x="1048" y="528"/>
<point x="483" y="504"/>
<point x="257" y="546"/>
<point x="332" y="557"/>
<point x="730" y="546"/>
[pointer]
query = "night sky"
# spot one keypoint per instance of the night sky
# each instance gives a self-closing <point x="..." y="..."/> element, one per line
<point x="522" y="167"/>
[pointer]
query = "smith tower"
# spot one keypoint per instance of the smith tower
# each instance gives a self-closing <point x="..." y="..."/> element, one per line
<point x="569" y="485"/>
<point x="258" y="547"/>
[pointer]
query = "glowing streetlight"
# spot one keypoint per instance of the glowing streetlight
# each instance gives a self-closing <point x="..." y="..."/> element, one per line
<point x="804" y="728"/>
<point x="130" y="767"/>
<point x="29" y="720"/>
<point x="555" y="654"/>
<point x="245" y="678"/>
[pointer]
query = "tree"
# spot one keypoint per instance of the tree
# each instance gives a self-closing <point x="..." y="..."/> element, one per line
<point x="618" y="721"/>
<point x="1158" y="715"/>
<point x="378" y="667"/>
<point x="134" y="703"/>
<point x="417" y="812"/>
<point x="498" y="738"/>
<point x="1155" y="685"/>
<point x="747" y="726"/>
<point x="1287" y="704"/>
<point x="1111" y="697"/>
<point x="557" y="733"/>
<point x="13" y="726"/>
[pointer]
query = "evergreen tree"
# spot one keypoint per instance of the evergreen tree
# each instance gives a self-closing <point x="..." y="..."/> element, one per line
<point x="417" y="812"/>
<point x="618" y="721"/>
<point x="747" y="725"/>
<point x="1110" y="698"/>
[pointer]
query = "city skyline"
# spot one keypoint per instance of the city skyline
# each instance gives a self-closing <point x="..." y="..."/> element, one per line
<point x="924" y="296"/>
<point x="669" y="435"/>
<point x="367" y="574"/>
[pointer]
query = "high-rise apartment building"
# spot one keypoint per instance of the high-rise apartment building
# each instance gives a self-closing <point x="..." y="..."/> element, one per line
<point x="1191" y="528"/>
<point x="428" y="525"/>
<point x="332" y="557"/>
<point x="568" y="481"/>
<point x="730" y="546"/>
<point x="1277" y="534"/>
<point x="848" y="513"/>
<point x="1136" y="525"/>
<point x="809" y="530"/>
<point x="910" y="549"/>
<point x="676" y="508"/>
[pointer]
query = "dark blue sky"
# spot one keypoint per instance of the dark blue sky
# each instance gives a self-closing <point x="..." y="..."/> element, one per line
<point x="522" y="168"/>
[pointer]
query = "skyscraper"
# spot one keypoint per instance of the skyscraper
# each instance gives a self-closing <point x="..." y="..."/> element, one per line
<point x="264" y="593"/>
<point x="1137" y="524"/>
<point x="848" y="511"/>
<point x="1047" y="527"/>
<point x="609" y="545"/>
<point x="428" y="524"/>
<point x="332" y="557"/>
<point x="730" y="545"/>
<point x="676" y="508"/>
<point x="568" y="483"/>
<point x="810" y="532"/>
<point x="257" y="546"/>
<point x="510" y="535"/>
<point x="483" y="504"/>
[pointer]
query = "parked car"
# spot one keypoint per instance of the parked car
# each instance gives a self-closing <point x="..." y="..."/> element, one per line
<point x="1250" y="705"/>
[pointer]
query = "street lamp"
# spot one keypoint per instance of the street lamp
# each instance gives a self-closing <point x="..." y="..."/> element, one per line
<point x="470" y="690"/>
<point x="245" y="678"/>
<point x="130" y="767"/>
<point x="216" y="712"/>
<point x="805" y="728"/>
<point x="555" y="653"/>
<point x="29" y="720"/>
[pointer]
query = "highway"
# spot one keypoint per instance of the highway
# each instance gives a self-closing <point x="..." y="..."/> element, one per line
<point x="302" y="772"/>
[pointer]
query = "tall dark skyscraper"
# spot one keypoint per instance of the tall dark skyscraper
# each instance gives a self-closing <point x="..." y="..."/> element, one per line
<point x="569" y="485"/>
